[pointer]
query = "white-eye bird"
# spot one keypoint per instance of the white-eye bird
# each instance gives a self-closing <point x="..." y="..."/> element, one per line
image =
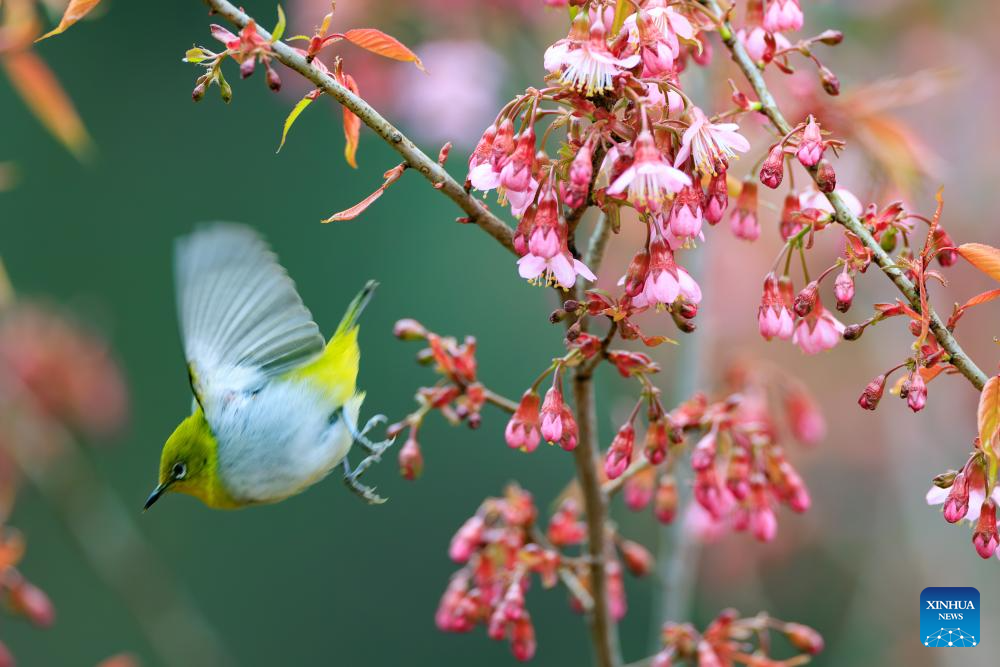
<point x="276" y="406"/>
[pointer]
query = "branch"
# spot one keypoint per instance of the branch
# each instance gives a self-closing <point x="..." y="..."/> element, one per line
<point x="958" y="358"/>
<point x="413" y="156"/>
<point x="604" y="632"/>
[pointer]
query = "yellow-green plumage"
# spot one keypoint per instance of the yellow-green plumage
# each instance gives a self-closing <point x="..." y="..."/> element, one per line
<point x="271" y="397"/>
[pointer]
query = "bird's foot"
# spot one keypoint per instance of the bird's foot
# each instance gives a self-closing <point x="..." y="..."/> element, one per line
<point x="376" y="449"/>
<point x="352" y="478"/>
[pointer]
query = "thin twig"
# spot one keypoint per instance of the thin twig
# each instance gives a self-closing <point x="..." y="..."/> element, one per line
<point x="414" y="157"/>
<point x="499" y="401"/>
<point x="957" y="356"/>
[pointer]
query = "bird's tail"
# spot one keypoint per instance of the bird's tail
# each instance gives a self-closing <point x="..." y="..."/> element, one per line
<point x="356" y="307"/>
<point x="336" y="370"/>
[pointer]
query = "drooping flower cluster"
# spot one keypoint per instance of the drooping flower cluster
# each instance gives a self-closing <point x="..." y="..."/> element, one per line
<point x="633" y="140"/>
<point x="731" y="640"/>
<point x="740" y="471"/>
<point x="501" y="546"/>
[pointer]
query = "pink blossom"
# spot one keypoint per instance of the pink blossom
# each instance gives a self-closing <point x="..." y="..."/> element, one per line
<point x="965" y="497"/>
<point x="650" y="179"/>
<point x="783" y="15"/>
<point x="665" y="280"/>
<point x="686" y="214"/>
<point x="817" y="332"/>
<point x="811" y="145"/>
<point x="710" y="145"/>
<point x="560" y="269"/>
<point x="590" y="68"/>
<point x="522" y="429"/>
<point x="755" y="41"/>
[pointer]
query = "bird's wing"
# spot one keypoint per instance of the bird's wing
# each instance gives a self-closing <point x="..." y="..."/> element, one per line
<point x="241" y="319"/>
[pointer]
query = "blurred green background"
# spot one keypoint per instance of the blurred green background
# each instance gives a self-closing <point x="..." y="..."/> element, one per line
<point x="324" y="579"/>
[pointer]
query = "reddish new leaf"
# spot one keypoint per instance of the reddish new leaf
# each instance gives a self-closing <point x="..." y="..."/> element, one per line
<point x="46" y="98"/>
<point x="350" y="213"/>
<point x="75" y="11"/>
<point x="352" y="124"/>
<point x="983" y="257"/>
<point x="981" y="298"/>
<point x="385" y="45"/>
<point x="989" y="413"/>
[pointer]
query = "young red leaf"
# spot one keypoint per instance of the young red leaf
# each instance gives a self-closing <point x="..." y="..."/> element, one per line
<point x="75" y="11"/>
<point x="352" y="124"/>
<point x="46" y="98"/>
<point x="989" y="413"/>
<point x="350" y="213"/>
<point x="983" y="257"/>
<point x="385" y="45"/>
<point x="299" y="107"/>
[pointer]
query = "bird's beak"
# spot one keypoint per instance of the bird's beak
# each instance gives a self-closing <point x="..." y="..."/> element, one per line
<point x="155" y="495"/>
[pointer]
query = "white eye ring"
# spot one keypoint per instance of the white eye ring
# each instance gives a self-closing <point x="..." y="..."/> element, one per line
<point x="179" y="470"/>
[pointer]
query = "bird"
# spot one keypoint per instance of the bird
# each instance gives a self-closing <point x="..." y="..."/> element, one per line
<point x="275" y="405"/>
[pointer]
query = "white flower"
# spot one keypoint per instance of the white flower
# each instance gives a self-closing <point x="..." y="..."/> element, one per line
<point x="561" y="269"/>
<point x="710" y="145"/>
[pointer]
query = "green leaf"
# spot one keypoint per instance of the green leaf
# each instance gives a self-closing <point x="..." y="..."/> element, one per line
<point x="299" y="107"/>
<point x="622" y="10"/>
<point x="279" y="29"/>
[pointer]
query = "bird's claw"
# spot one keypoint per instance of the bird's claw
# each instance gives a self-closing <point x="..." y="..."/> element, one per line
<point x="376" y="449"/>
<point x="352" y="480"/>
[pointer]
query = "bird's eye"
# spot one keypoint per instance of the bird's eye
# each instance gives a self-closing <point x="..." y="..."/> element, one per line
<point x="179" y="470"/>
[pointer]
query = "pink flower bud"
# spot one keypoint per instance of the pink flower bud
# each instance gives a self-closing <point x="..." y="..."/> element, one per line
<point x="703" y="455"/>
<point x="956" y="504"/>
<point x="946" y="257"/>
<point x="986" y="539"/>
<point x="522" y="429"/>
<point x="805" y="300"/>
<point x="522" y="639"/>
<point x="763" y="522"/>
<point x="638" y="489"/>
<point x="872" y="393"/>
<point x="636" y="557"/>
<point x="743" y="220"/>
<point x="657" y="441"/>
<point x="773" y="169"/>
<point x="409" y="330"/>
<point x="467" y="539"/>
<point x="31" y="602"/>
<point x="620" y="453"/>
<point x="916" y="395"/>
<point x="717" y="198"/>
<point x="665" y="500"/>
<point x="552" y="413"/>
<point x="804" y="638"/>
<point x="826" y="177"/>
<point x="804" y="417"/>
<point x="616" y="590"/>
<point x="811" y="145"/>
<point x="843" y="290"/>
<point x="411" y="461"/>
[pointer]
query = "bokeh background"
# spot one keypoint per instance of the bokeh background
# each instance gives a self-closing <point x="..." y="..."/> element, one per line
<point x="323" y="579"/>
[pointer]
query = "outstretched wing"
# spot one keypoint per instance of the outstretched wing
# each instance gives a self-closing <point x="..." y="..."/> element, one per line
<point x="241" y="319"/>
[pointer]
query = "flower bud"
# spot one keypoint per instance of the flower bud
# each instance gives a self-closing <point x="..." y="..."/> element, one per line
<point x="199" y="92"/>
<point x="831" y="84"/>
<point x="805" y="300"/>
<point x="804" y="638"/>
<point x="916" y="395"/>
<point x="665" y="500"/>
<point x="635" y="275"/>
<point x="522" y="639"/>
<point x="411" y="461"/>
<point x="620" y="453"/>
<point x="31" y="602"/>
<point x="467" y="539"/>
<point x="638" y="489"/>
<point x="956" y="504"/>
<point x="773" y="169"/>
<point x="407" y="329"/>
<point x="273" y="80"/>
<point x="853" y="331"/>
<point x="717" y="198"/>
<point x="830" y="37"/>
<point x="947" y="257"/>
<point x="843" y="290"/>
<point x="225" y="91"/>
<point x="811" y="145"/>
<point x="522" y="429"/>
<point x="636" y="557"/>
<point x="826" y="177"/>
<point x="872" y="393"/>
<point x="986" y="539"/>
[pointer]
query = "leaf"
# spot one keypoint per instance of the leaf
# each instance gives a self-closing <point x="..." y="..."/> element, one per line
<point x="989" y="413"/>
<point x="195" y="55"/>
<point x="391" y="177"/>
<point x="981" y="298"/>
<point x="44" y="95"/>
<point x="279" y="28"/>
<point x="75" y="11"/>
<point x="352" y="124"/>
<point x="984" y="257"/>
<point x="382" y="44"/>
<point x="299" y="107"/>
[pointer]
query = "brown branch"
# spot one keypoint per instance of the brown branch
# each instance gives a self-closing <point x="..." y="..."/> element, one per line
<point x="957" y="356"/>
<point x="413" y="156"/>
<point x="603" y="631"/>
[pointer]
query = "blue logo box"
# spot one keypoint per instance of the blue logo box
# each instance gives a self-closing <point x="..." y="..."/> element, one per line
<point x="949" y="617"/>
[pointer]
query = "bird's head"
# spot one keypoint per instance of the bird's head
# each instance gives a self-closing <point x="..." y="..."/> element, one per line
<point x="189" y="463"/>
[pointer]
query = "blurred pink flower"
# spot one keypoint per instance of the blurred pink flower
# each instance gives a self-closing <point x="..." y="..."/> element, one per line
<point x="457" y="99"/>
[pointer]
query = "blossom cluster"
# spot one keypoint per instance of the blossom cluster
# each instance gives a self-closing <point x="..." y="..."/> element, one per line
<point x="501" y="546"/>
<point x="731" y="640"/>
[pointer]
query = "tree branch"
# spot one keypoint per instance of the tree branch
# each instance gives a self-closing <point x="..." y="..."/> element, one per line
<point x="958" y="358"/>
<point x="603" y="631"/>
<point x="413" y="156"/>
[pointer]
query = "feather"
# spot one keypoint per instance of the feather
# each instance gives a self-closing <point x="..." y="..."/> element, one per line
<point x="241" y="319"/>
